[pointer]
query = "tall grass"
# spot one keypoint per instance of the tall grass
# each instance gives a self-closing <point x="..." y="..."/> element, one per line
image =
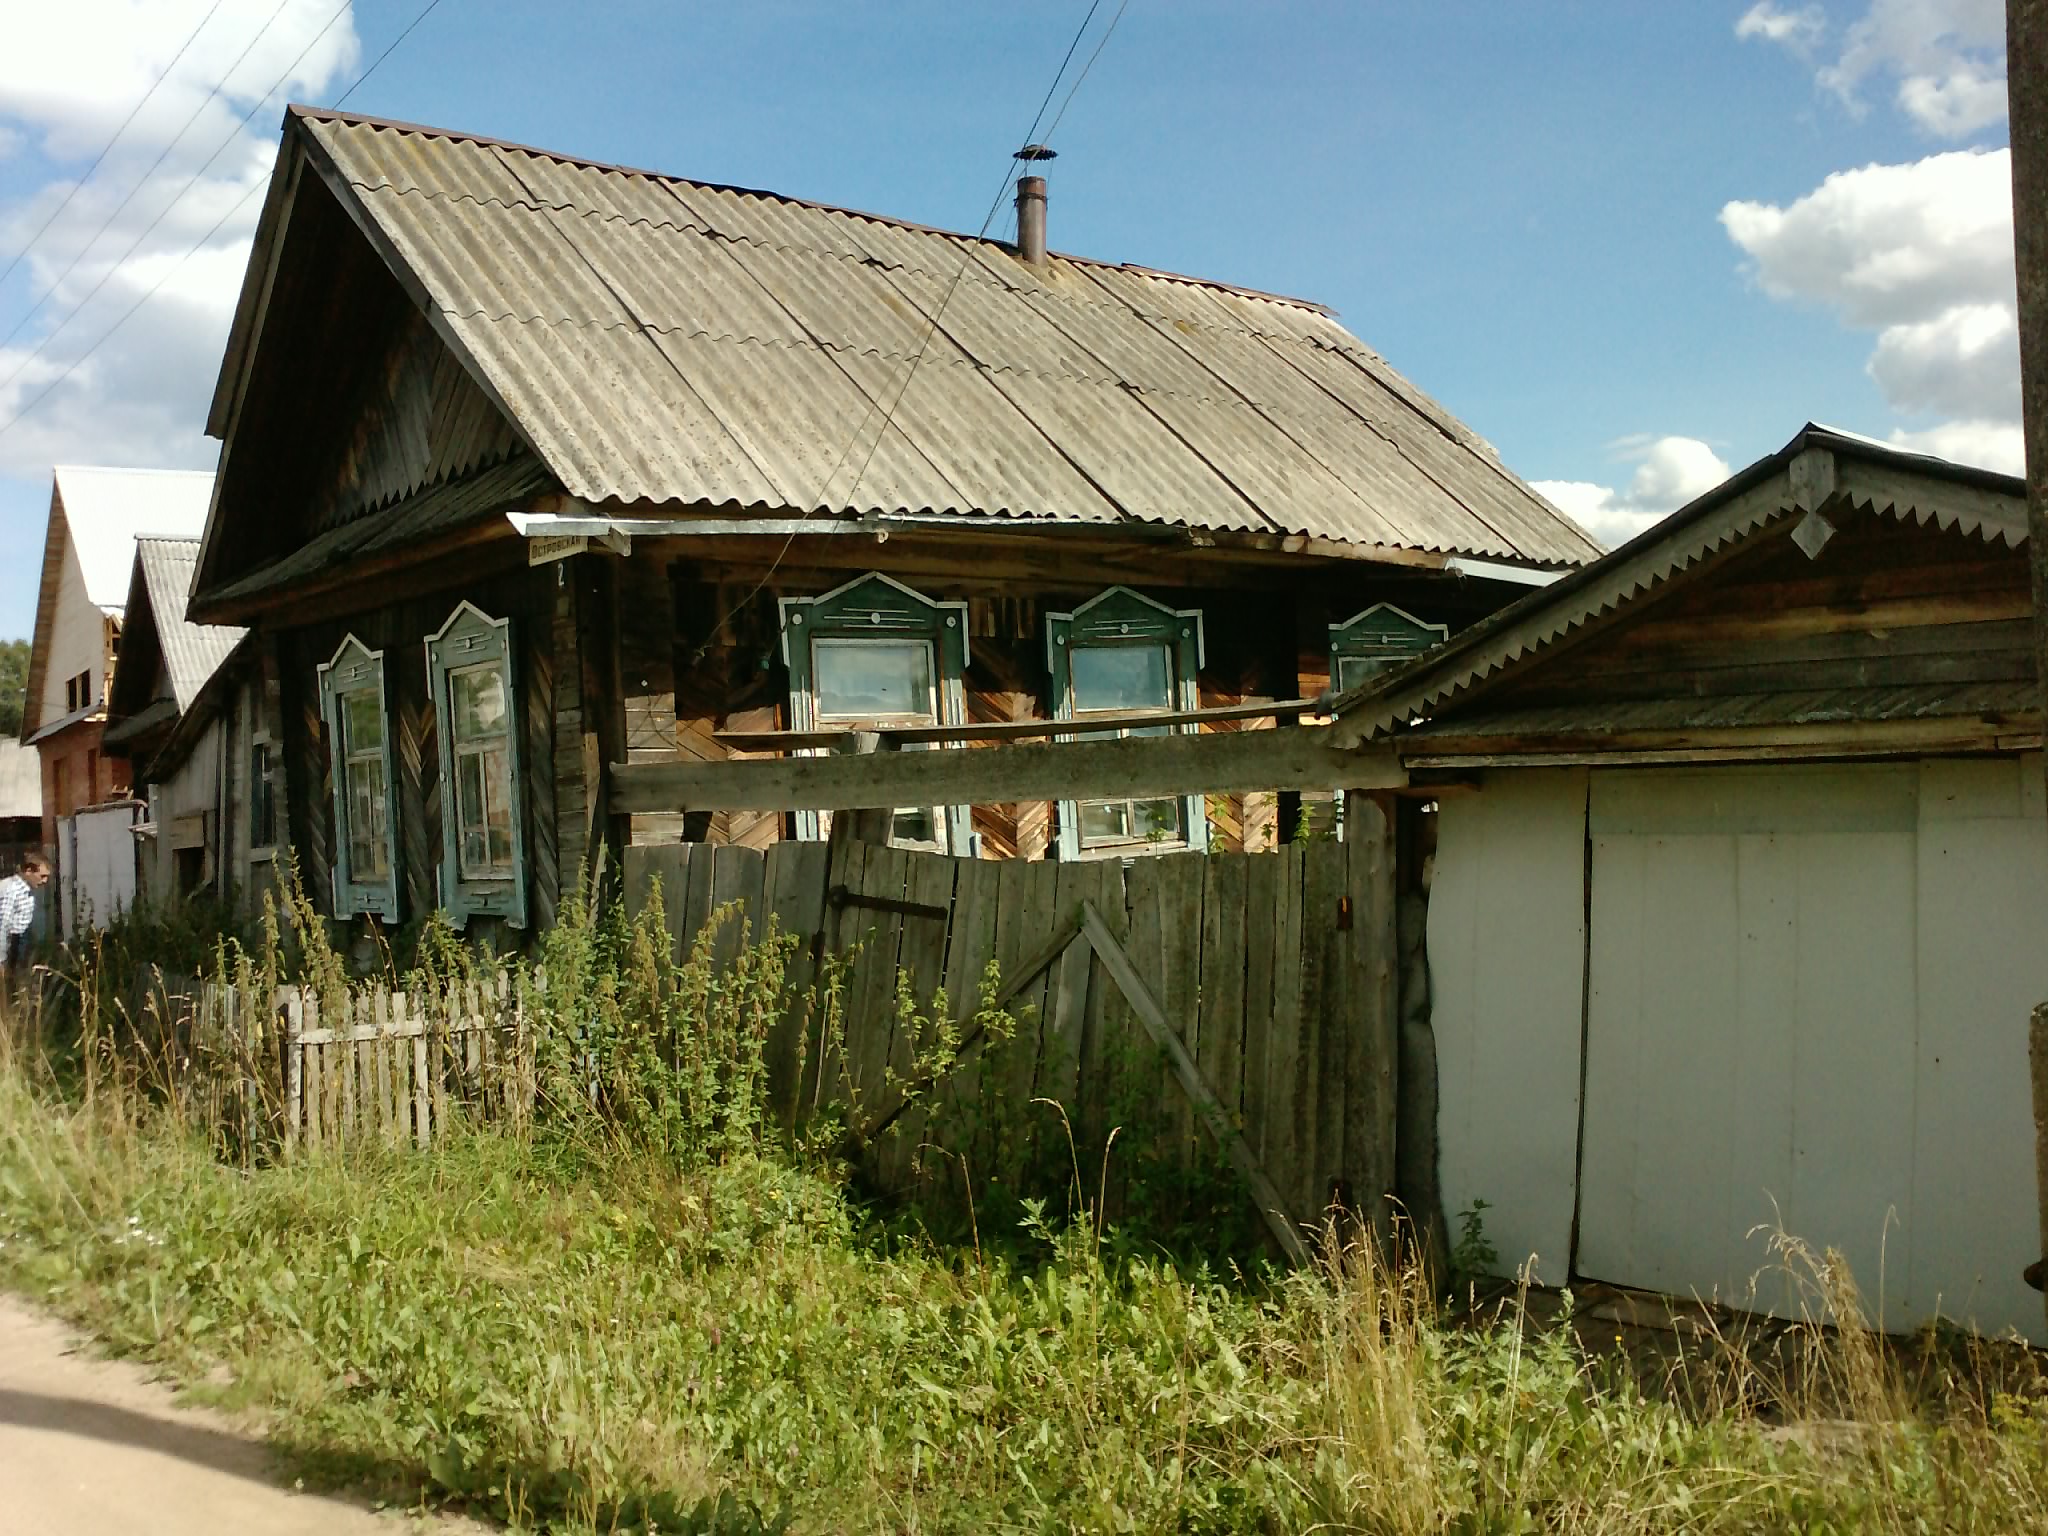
<point x="651" y="1307"/>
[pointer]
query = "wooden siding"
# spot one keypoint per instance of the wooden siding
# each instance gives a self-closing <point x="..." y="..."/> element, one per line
<point x="724" y="654"/>
<point x="400" y="631"/>
<point x="1885" y="605"/>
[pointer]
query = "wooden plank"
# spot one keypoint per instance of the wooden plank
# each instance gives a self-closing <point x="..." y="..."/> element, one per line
<point x="308" y="1005"/>
<point x="921" y="956"/>
<point x="380" y="1010"/>
<point x="1107" y="1054"/>
<point x="1372" y="1048"/>
<point x="1008" y="730"/>
<point x="401" y="1066"/>
<point x="295" y="1069"/>
<point x="659" y="868"/>
<point x="797" y="893"/>
<point x="970" y="945"/>
<point x="1221" y="996"/>
<point x="701" y="861"/>
<point x="1290" y="1103"/>
<point x="737" y="879"/>
<point x="1180" y="979"/>
<point x="438" y="1061"/>
<point x="1059" y="1067"/>
<point x="422" y="1104"/>
<point x="350" y="1087"/>
<point x="1322" y="1028"/>
<point x="1261" y="904"/>
<point x="1272" y="1206"/>
<point x="1029" y="907"/>
<point x="885" y="877"/>
<point x="1137" y="767"/>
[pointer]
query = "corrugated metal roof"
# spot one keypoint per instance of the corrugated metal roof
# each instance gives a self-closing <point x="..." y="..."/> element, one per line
<point x="660" y="340"/>
<point x="1845" y="473"/>
<point x="191" y="652"/>
<point x="107" y="509"/>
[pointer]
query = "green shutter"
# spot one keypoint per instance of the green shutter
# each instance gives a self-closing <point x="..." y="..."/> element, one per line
<point x="1376" y="641"/>
<point x="1115" y="616"/>
<point x="881" y="607"/>
<point x="356" y="667"/>
<point x="471" y="638"/>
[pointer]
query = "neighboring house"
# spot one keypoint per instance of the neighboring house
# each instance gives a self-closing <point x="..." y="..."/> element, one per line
<point x="1739" y="892"/>
<point x="531" y="465"/>
<point x="179" y="711"/>
<point x="21" y="805"/>
<point x="88" y="553"/>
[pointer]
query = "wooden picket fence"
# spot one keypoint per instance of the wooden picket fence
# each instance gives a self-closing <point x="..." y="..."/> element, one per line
<point x="1259" y="989"/>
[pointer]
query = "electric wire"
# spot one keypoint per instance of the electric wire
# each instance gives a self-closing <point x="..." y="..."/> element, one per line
<point x="931" y="329"/>
<point x="122" y="207"/>
<point x="107" y="148"/>
<point x="220" y="223"/>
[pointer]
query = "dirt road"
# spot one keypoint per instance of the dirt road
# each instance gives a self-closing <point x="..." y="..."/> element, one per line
<point x="93" y="1445"/>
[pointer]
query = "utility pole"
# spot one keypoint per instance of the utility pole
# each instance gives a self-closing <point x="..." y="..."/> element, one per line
<point x="2026" y="55"/>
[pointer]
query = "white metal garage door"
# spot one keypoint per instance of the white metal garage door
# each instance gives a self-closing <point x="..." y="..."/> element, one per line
<point x="1796" y="1015"/>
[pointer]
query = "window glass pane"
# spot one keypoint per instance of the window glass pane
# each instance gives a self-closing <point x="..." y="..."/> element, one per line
<point x="484" y="811"/>
<point x="917" y="826"/>
<point x="262" y="797"/>
<point x="1114" y="677"/>
<point x="478" y="695"/>
<point x="1105" y="821"/>
<point x="362" y="722"/>
<point x="1353" y="670"/>
<point x="1156" y="820"/>
<point x="469" y="802"/>
<point x="366" y="820"/>
<point x="873" y="679"/>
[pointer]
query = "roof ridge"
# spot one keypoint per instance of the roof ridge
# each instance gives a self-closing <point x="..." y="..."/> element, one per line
<point x="305" y="113"/>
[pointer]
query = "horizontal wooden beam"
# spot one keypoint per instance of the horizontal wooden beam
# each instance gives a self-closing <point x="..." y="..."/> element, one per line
<point x="1134" y="767"/>
<point x="1006" y="730"/>
<point x="1862" y="739"/>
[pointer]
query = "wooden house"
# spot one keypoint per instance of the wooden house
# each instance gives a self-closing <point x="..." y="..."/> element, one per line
<point x="532" y="466"/>
<point x="1737" y="911"/>
<point x="181" y="710"/>
<point x="88" y="555"/>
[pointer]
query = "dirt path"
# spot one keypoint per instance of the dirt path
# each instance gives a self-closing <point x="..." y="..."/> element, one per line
<point x="93" y="1445"/>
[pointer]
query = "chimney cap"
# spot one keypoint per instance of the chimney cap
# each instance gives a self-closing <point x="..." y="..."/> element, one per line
<point x="1035" y="152"/>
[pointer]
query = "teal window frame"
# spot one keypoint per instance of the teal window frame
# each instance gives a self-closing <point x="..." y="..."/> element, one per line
<point x="472" y="640"/>
<point x="879" y="607"/>
<point x="1121" y="616"/>
<point x="355" y="668"/>
<point x="1376" y="640"/>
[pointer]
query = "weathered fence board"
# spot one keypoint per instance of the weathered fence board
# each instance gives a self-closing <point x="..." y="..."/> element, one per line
<point x="1275" y="973"/>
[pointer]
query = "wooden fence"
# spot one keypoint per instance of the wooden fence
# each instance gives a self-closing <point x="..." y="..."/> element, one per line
<point x="1255" y="993"/>
<point x="371" y="1064"/>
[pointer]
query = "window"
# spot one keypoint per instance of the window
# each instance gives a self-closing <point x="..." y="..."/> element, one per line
<point x="262" y="796"/>
<point x="1376" y="641"/>
<point x="874" y="654"/>
<point x="78" y="693"/>
<point x="352" y="701"/>
<point x="1120" y="655"/>
<point x="469" y="669"/>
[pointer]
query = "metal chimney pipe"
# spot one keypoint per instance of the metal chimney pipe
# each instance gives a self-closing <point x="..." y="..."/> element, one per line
<point x="1031" y="219"/>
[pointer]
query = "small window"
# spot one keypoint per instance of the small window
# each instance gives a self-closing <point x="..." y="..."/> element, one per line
<point x="874" y="654"/>
<point x="469" y="669"/>
<point x="353" y="702"/>
<point x="1125" y="655"/>
<point x="262" y="797"/>
<point x="1376" y="641"/>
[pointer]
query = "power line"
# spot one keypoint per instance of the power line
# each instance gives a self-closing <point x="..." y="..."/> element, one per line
<point x="206" y="238"/>
<point x="931" y="326"/>
<point x="122" y="207"/>
<point x="107" y="148"/>
<point x="176" y="198"/>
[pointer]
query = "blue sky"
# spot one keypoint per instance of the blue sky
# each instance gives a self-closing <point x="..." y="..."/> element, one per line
<point x="1630" y="244"/>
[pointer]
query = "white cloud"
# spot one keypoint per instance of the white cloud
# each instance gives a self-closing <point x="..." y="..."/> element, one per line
<point x="69" y="75"/>
<point x="1670" y="471"/>
<point x="1947" y="56"/>
<point x="1998" y="445"/>
<point x="1797" y="30"/>
<point x="1922" y="254"/>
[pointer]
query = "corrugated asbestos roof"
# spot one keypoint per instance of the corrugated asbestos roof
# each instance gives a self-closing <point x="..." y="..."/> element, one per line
<point x="106" y="510"/>
<point x="660" y="340"/>
<point x="1844" y="473"/>
<point x="191" y="652"/>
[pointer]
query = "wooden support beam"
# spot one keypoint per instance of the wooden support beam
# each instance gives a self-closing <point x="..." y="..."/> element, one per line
<point x="1136" y="767"/>
<point x="1009" y="730"/>
<point x="1199" y="1093"/>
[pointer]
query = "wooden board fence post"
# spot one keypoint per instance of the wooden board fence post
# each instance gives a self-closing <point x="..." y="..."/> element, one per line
<point x="1213" y="1114"/>
<point x="294" y="1068"/>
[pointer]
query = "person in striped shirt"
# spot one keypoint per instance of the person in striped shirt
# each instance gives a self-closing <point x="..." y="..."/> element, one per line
<point x="18" y="907"/>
